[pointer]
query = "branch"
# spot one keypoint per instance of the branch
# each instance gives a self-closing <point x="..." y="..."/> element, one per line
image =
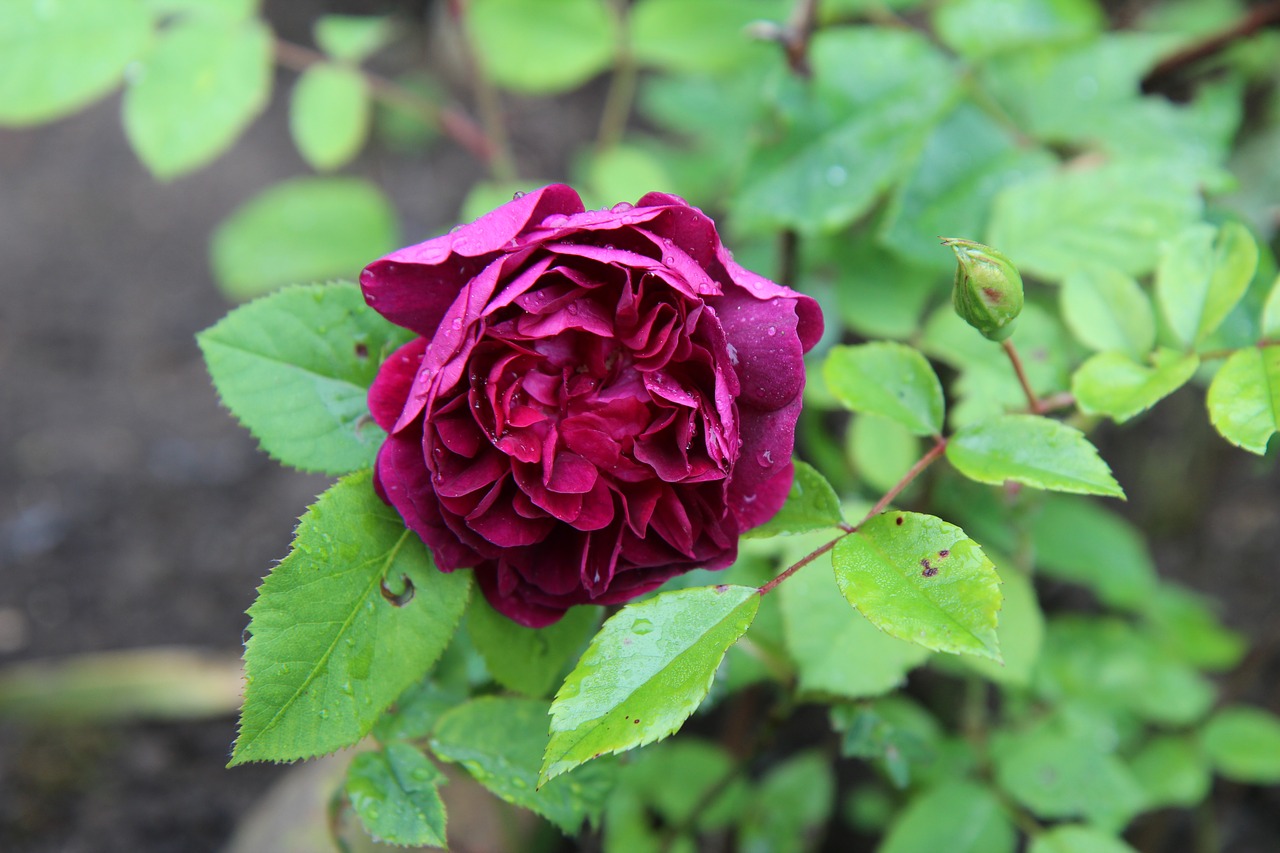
<point x="1258" y="18"/>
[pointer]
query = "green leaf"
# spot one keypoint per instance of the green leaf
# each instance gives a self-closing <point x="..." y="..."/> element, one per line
<point x="196" y="92"/>
<point x="1029" y="449"/>
<point x="1060" y="773"/>
<point x="1203" y="273"/>
<point x="844" y="137"/>
<point x="979" y="28"/>
<point x="920" y="579"/>
<point x="889" y="379"/>
<point x="837" y="651"/>
<point x="811" y="505"/>
<point x="1107" y="310"/>
<point x="1187" y="625"/>
<point x="625" y="173"/>
<point x="965" y="162"/>
<point x="1078" y="839"/>
<point x="545" y="47"/>
<point x="499" y="740"/>
<point x="528" y="660"/>
<point x="1271" y="314"/>
<point x="416" y="710"/>
<point x="395" y="793"/>
<point x="295" y="368"/>
<point x="1244" y="398"/>
<point x="705" y="37"/>
<point x="879" y="294"/>
<point x="1113" y="384"/>
<point x="330" y="648"/>
<point x="1077" y="540"/>
<point x="645" y="673"/>
<point x="306" y="229"/>
<point x="56" y="57"/>
<point x="956" y="816"/>
<point x="1109" y="664"/>
<point x="701" y="768"/>
<point x="791" y="805"/>
<point x="900" y="736"/>
<point x="227" y="10"/>
<point x="1113" y="215"/>
<point x="1243" y="744"/>
<point x="329" y="115"/>
<point x="1019" y="634"/>
<point x="1173" y="771"/>
<point x="352" y="38"/>
<point x="882" y="451"/>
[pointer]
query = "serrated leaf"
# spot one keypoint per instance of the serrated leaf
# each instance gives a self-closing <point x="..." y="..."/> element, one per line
<point x="702" y="800"/>
<point x="295" y="368"/>
<point x="329" y="650"/>
<point x="879" y="294"/>
<point x="56" y="57"/>
<point x="196" y="92"/>
<point x="306" y="229"/>
<point x="645" y="673"/>
<point x="1244" y="398"/>
<point x="1107" y="310"/>
<point x="545" y="47"/>
<point x="1078" y="839"/>
<point x="329" y="115"/>
<point x="1113" y="215"/>
<point x="500" y="740"/>
<point x="811" y="505"/>
<point x="1078" y="540"/>
<point x="528" y="660"/>
<point x="1174" y="772"/>
<point x="352" y="38"/>
<point x="900" y="736"/>
<point x="844" y="137"/>
<point x="1113" y="384"/>
<point x="1243" y="743"/>
<point x="1030" y="449"/>
<point x="1059" y="773"/>
<point x="957" y="816"/>
<point x="1203" y="273"/>
<point x="1188" y="626"/>
<point x="415" y="711"/>
<point x="920" y="579"/>
<point x="889" y="379"/>
<point x="838" y="652"/>
<point x="394" y="791"/>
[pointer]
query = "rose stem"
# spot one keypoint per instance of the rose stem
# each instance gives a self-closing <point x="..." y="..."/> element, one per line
<point x="1166" y="69"/>
<point x="622" y="85"/>
<point x="1032" y="400"/>
<point x="502" y="165"/>
<point x="939" y="447"/>
<point x="453" y="123"/>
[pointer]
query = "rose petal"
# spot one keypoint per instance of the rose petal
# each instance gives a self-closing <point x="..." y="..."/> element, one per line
<point x="390" y="388"/>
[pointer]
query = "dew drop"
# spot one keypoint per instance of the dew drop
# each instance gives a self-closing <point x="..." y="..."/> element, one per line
<point x="518" y="194"/>
<point x="573" y="308"/>
<point x="766" y="458"/>
<point x="733" y="354"/>
<point x="837" y="175"/>
<point x="456" y="324"/>
<point x="324" y="713"/>
<point x="622" y="207"/>
<point x="771" y="331"/>
<point x="669" y="260"/>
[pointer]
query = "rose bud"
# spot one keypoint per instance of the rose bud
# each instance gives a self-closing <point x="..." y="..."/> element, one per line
<point x="988" y="288"/>
<point x="596" y="401"/>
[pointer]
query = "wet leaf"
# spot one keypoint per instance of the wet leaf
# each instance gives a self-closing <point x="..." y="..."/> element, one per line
<point x="528" y="660"/>
<point x="1113" y="384"/>
<point x="811" y="505"/>
<point x="327" y="653"/>
<point x="295" y="369"/>
<point x="395" y="794"/>
<point x="889" y="379"/>
<point x="645" y="672"/>
<point x="1029" y="449"/>
<point x="922" y="580"/>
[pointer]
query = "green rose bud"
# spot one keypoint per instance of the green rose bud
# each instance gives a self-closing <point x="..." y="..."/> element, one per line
<point x="988" y="288"/>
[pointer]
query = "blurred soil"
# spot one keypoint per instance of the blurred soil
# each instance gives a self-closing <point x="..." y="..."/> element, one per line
<point x="135" y="512"/>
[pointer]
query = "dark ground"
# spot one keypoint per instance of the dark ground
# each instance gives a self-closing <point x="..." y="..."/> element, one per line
<point x="135" y="513"/>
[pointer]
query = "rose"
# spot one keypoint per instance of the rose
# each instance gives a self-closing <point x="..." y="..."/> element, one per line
<point x="597" y="400"/>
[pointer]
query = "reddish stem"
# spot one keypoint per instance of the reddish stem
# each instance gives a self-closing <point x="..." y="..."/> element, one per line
<point x="1257" y="19"/>
<point x="1032" y="400"/>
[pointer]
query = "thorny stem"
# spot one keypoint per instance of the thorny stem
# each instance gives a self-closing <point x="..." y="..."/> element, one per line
<point x="939" y="447"/>
<point x="622" y="85"/>
<point x="453" y="123"/>
<point x="502" y="164"/>
<point x="1033" y="401"/>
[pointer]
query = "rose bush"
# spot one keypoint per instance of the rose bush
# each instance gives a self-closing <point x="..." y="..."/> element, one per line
<point x="596" y="400"/>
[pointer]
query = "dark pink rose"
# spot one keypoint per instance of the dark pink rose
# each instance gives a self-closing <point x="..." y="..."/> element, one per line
<point x="597" y="400"/>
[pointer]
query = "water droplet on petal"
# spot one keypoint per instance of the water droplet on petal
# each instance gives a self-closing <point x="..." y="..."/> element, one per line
<point x="622" y="207"/>
<point x="771" y="331"/>
<point x="457" y="323"/>
<point x="733" y="354"/>
<point x="518" y="194"/>
<point x="766" y="458"/>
